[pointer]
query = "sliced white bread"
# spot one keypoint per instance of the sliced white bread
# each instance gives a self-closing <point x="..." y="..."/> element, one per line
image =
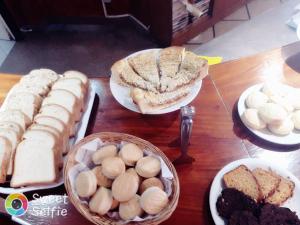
<point x="32" y="88"/>
<point x="5" y="155"/>
<point x="42" y="77"/>
<point x="76" y="74"/>
<point x="12" y="125"/>
<point x="13" y="138"/>
<point x="26" y="102"/>
<point x="64" y="98"/>
<point x="73" y="85"/>
<point x="34" y="164"/>
<point x="58" y="125"/>
<point x="60" y="113"/>
<point x="16" y="116"/>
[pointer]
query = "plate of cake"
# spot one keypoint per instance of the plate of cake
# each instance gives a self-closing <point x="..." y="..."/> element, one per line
<point x="253" y="191"/>
<point x="271" y="111"/>
<point x="157" y="81"/>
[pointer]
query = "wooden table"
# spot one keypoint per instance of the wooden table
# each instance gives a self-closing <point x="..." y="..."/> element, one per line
<point x="218" y="136"/>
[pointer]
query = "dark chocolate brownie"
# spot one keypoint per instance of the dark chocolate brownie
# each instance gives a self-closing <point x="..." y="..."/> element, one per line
<point x="243" y="218"/>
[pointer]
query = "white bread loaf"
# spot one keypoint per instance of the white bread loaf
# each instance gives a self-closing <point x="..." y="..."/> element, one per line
<point x="34" y="164"/>
<point x="43" y="77"/>
<point x="16" y="116"/>
<point x="13" y="138"/>
<point x="12" y="125"/>
<point x="32" y="88"/>
<point x="5" y="155"/>
<point x="76" y="74"/>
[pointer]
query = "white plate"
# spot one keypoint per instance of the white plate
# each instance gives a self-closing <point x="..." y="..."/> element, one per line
<point x="292" y="139"/>
<point x="217" y="185"/>
<point x="122" y="94"/>
<point x="81" y="128"/>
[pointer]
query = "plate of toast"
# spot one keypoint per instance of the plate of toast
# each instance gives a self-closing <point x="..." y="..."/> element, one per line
<point x="157" y="81"/>
<point x="257" y="191"/>
<point x="272" y="112"/>
<point x="42" y="116"/>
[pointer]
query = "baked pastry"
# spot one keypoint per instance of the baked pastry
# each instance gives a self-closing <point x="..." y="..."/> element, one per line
<point x="113" y="167"/>
<point x="283" y="192"/>
<point x="296" y="119"/>
<point x="134" y="173"/>
<point x="5" y="156"/>
<point x="104" y="152"/>
<point x="283" y="102"/>
<point x="256" y="99"/>
<point x="102" y="180"/>
<point x="148" y="166"/>
<point x="282" y="129"/>
<point x="150" y="182"/>
<point x="115" y="204"/>
<point x="86" y="184"/>
<point x="124" y="187"/>
<point x="251" y="118"/>
<point x="130" y="209"/>
<point x="144" y="65"/>
<point x="272" y="113"/>
<point x="101" y="202"/>
<point x="267" y="180"/>
<point x="243" y="180"/>
<point x="154" y="200"/>
<point x="130" y="153"/>
<point x="34" y="164"/>
<point x="273" y="89"/>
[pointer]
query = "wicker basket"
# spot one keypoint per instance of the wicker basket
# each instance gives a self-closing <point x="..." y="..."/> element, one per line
<point x="117" y="138"/>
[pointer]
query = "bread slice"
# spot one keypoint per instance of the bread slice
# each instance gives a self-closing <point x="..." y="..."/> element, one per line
<point x="243" y="180"/>
<point x="74" y="85"/>
<point x="16" y="116"/>
<point x="34" y="164"/>
<point x="5" y="155"/>
<point x="169" y="64"/>
<point x="32" y="88"/>
<point x="64" y="98"/>
<point x="145" y="65"/>
<point x="76" y="74"/>
<point x="149" y="102"/>
<point x="62" y="114"/>
<point x="267" y="180"/>
<point x="42" y="77"/>
<point x="58" y="125"/>
<point x="126" y="76"/>
<point x="26" y="102"/>
<point x="282" y="193"/>
<point x="13" y="137"/>
<point x="12" y="125"/>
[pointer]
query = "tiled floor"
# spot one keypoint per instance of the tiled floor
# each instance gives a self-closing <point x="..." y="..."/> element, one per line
<point x="246" y="13"/>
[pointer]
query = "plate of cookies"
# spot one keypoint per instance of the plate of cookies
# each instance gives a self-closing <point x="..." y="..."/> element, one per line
<point x="42" y="116"/>
<point x="157" y="81"/>
<point x="272" y="112"/>
<point x="114" y="178"/>
<point x="256" y="191"/>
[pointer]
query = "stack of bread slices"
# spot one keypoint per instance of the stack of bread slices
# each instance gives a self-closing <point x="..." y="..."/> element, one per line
<point x="160" y="78"/>
<point x="36" y="121"/>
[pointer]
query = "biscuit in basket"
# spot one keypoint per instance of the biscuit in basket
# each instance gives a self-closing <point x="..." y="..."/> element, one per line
<point x="102" y="180"/>
<point x="130" y="209"/>
<point x="102" y="201"/>
<point x="154" y="200"/>
<point x="150" y="182"/>
<point x="113" y="167"/>
<point x="125" y="187"/>
<point x="5" y="156"/>
<point x="130" y="154"/>
<point x="242" y="179"/>
<point x="104" y="152"/>
<point x="148" y="166"/>
<point x="86" y="184"/>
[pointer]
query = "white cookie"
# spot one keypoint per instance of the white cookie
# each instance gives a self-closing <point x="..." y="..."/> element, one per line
<point x="272" y="113"/>
<point x="256" y="99"/>
<point x="251" y="119"/>
<point x="282" y="129"/>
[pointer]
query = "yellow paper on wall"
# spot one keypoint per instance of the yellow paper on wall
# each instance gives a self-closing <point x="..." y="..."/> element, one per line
<point x="212" y="60"/>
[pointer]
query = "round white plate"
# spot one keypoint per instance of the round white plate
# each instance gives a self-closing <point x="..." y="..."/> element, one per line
<point x="292" y="139"/>
<point x="122" y="94"/>
<point x="217" y="185"/>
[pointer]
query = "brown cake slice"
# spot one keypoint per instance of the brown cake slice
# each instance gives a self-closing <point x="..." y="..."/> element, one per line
<point x="267" y="180"/>
<point x="282" y="193"/>
<point x="242" y="179"/>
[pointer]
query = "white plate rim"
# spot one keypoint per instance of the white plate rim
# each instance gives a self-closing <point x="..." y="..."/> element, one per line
<point x="266" y="135"/>
<point x="115" y="89"/>
<point x="216" y="188"/>
<point x="81" y="129"/>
